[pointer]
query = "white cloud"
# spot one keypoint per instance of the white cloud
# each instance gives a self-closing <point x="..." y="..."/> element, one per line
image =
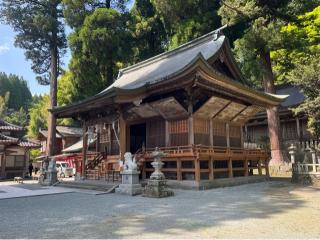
<point x="4" y="48"/>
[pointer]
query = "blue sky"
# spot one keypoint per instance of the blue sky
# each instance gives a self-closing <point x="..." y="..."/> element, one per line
<point x="12" y="60"/>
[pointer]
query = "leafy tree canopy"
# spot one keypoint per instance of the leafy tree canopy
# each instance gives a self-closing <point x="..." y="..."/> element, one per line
<point x="185" y="20"/>
<point x="38" y="115"/>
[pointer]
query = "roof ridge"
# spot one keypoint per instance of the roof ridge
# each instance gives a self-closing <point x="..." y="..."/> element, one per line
<point x="215" y="34"/>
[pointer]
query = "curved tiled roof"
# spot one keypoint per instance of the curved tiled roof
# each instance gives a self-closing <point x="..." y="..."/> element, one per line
<point x="7" y="139"/>
<point x="161" y="66"/>
<point x="9" y="126"/>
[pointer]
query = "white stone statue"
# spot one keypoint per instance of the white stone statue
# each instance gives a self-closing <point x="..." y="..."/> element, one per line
<point x="129" y="162"/>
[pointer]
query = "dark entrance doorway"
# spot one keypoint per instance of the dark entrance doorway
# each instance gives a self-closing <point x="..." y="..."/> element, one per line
<point x="137" y="137"/>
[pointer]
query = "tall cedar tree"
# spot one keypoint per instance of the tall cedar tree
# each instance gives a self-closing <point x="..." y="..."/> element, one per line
<point x="149" y="35"/>
<point x="263" y="20"/>
<point x="185" y="20"/>
<point x="99" y="44"/>
<point x="40" y="31"/>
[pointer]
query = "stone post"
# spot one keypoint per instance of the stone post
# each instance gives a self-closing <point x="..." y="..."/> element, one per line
<point x="292" y="152"/>
<point x="314" y="160"/>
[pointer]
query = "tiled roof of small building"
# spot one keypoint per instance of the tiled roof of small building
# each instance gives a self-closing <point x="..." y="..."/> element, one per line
<point x="69" y="131"/>
<point x="28" y="144"/>
<point x="7" y="139"/>
<point x="9" y="126"/>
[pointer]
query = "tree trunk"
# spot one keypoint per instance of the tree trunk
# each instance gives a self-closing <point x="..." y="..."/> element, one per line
<point x="53" y="91"/>
<point x="272" y="112"/>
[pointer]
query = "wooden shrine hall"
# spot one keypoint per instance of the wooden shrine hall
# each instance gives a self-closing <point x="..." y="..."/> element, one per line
<point x="190" y="102"/>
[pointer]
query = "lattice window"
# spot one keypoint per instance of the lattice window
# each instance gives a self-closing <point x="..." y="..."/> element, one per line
<point x="105" y="134"/>
<point x="235" y="131"/>
<point x="201" y="126"/>
<point x="219" y="129"/>
<point x="180" y="126"/>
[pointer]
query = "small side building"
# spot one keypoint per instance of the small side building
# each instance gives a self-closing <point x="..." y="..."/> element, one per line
<point x="293" y="128"/>
<point x="14" y="150"/>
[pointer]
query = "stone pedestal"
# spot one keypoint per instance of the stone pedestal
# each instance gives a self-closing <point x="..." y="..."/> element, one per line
<point x="157" y="184"/>
<point x="130" y="183"/>
<point x="49" y="176"/>
<point x="157" y="189"/>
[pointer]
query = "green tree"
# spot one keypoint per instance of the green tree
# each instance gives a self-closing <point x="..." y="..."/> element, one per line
<point x="40" y="31"/>
<point x="185" y="20"/>
<point x="263" y="20"/>
<point x="38" y="115"/>
<point x="19" y="118"/>
<point x="20" y="95"/>
<point x="149" y="35"/>
<point x="298" y="61"/>
<point x="4" y="105"/>
<point x="99" y="43"/>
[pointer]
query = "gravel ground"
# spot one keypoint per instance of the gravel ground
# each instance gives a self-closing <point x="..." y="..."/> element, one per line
<point x="260" y="210"/>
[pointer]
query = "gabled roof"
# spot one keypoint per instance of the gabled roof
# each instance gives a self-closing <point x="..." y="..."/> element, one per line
<point x="161" y="66"/>
<point x="69" y="131"/>
<point x="45" y="133"/>
<point x="77" y="147"/>
<point x="9" y="126"/>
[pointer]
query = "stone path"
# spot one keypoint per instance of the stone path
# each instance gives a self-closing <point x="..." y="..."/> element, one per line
<point x="32" y="188"/>
<point x="261" y="210"/>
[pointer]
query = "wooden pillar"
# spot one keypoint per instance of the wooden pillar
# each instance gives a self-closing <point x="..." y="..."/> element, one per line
<point x="167" y="134"/>
<point x="211" y="132"/>
<point x="298" y="128"/>
<point x="228" y="134"/>
<point x="98" y="141"/>
<point x="230" y="171"/>
<point x="246" y="169"/>
<point x="211" y="172"/>
<point x="179" y="172"/>
<point x="197" y="169"/>
<point x="259" y="167"/>
<point x="3" y="166"/>
<point x="122" y="137"/>
<point x="84" y="148"/>
<point x="190" y="123"/>
<point x="267" y="167"/>
<point x="242" y="136"/>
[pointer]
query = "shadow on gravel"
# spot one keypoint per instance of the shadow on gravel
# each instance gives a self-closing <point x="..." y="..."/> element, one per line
<point x="78" y="215"/>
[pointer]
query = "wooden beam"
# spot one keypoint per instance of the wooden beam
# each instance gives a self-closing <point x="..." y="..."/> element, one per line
<point x="224" y="107"/>
<point x="122" y="137"/>
<point x="84" y="148"/>
<point x="241" y="111"/>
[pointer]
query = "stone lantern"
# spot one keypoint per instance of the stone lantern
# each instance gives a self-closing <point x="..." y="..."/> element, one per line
<point x="157" y="184"/>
